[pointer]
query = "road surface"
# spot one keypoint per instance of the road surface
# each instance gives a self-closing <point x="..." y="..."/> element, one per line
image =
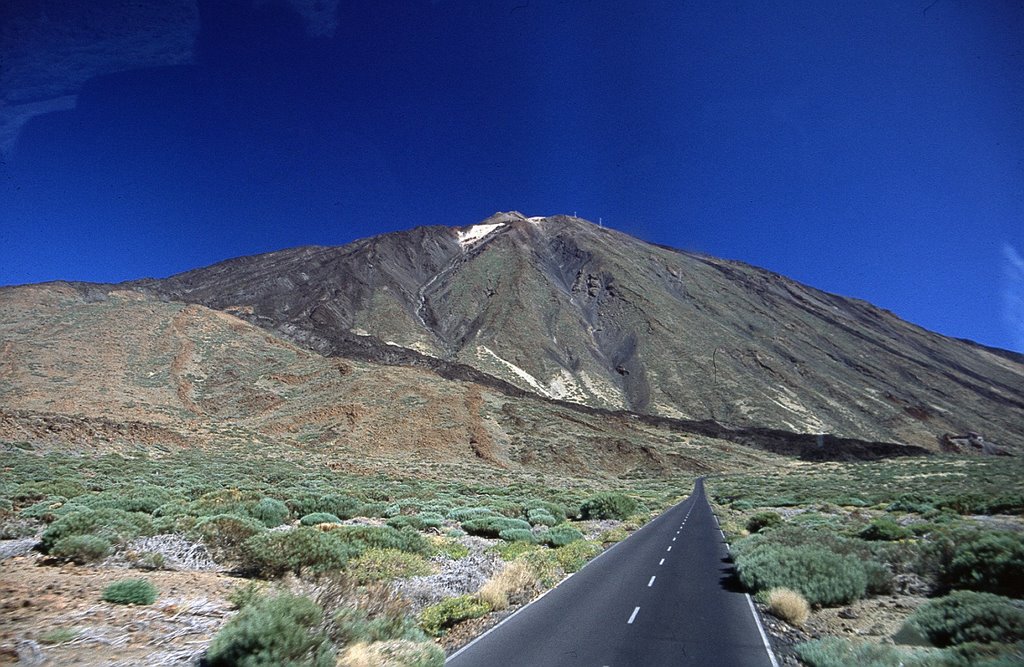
<point x="661" y="597"/>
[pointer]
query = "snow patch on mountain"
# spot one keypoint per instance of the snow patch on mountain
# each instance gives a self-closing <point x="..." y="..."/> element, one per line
<point x="476" y="233"/>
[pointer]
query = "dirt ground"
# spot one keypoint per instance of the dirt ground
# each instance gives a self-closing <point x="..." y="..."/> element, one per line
<point x="37" y="599"/>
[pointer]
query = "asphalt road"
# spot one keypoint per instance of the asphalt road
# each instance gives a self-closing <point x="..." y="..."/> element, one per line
<point x="661" y="597"/>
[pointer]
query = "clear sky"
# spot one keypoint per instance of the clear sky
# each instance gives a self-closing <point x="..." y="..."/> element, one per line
<point x="874" y="149"/>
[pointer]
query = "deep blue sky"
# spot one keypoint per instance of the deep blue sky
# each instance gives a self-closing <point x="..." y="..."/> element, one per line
<point x="872" y="149"/>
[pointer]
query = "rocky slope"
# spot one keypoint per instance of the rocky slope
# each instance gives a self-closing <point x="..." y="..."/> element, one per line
<point x="118" y="371"/>
<point x="568" y="310"/>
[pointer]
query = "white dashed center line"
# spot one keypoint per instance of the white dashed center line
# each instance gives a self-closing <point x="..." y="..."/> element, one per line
<point x="662" y="562"/>
<point x="669" y="549"/>
<point x="651" y="582"/>
<point x="632" y="617"/>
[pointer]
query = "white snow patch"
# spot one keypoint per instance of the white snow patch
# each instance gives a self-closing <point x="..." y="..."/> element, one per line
<point x="529" y="379"/>
<point x="536" y="219"/>
<point x="477" y="232"/>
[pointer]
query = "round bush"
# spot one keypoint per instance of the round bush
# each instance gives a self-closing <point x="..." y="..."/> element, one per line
<point x="823" y="577"/>
<point x="317" y="518"/>
<point x="81" y="549"/>
<point x="270" y="511"/>
<point x="518" y="535"/>
<point x="130" y="591"/>
<point x="491" y="526"/>
<point x="969" y="616"/>
<point x="559" y="536"/>
<point x="541" y="517"/>
<point x="992" y="562"/>
<point x="273" y="553"/>
<point x="884" y="528"/>
<point x="280" y="630"/>
<point x="608" y="505"/>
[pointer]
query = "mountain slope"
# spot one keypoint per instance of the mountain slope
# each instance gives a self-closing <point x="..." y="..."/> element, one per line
<point x="118" y="370"/>
<point x="569" y="310"/>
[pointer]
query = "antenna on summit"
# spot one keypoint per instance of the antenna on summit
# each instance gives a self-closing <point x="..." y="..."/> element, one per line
<point x="600" y="223"/>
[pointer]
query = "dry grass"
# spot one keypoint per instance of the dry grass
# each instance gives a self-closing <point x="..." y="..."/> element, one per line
<point x="393" y="652"/>
<point x="515" y="579"/>
<point x="788" y="605"/>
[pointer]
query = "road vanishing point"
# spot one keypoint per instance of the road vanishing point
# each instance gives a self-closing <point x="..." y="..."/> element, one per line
<point x="664" y="596"/>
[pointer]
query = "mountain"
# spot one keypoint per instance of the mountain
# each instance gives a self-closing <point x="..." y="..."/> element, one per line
<point x="567" y="310"/>
<point x="117" y="371"/>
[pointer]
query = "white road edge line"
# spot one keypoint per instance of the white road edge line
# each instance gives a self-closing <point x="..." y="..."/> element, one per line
<point x="760" y="628"/>
<point x="539" y="597"/>
<point x="632" y="617"/>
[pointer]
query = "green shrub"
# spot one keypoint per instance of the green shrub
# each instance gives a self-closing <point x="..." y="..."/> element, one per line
<point x="224" y="501"/>
<point x="559" y="536"/>
<point x="317" y="518"/>
<point x="130" y="591"/>
<point x="435" y="619"/>
<point x="608" y="505"/>
<point x="822" y="576"/>
<point x="431" y="519"/>
<point x="402" y="520"/>
<point x="81" y="549"/>
<point x="879" y="578"/>
<point x="541" y="517"/>
<point x="387" y="564"/>
<point x="461" y="514"/>
<point x="835" y="652"/>
<point x="273" y="553"/>
<point x="47" y="510"/>
<point x="244" y="595"/>
<point x="281" y="630"/>
<point x="553" y="509"/>
<point x="116" y="526"/>
<point x="352" y="625"/>
<point x="884" y="528"/>
<point x="993" y="561"/>
<point x="224" y="534"/>
<point x="491" y="526"/>
<point x="145" y="498"/>
<point x="518" y="535"/>
<point x="340" y="505"/>
<point x="763" y="520"/>
<point x="270" y="511"/>
<point x="969" y="616"/>
<point x="383" y="537"/>
<point x="575" y="555"/>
